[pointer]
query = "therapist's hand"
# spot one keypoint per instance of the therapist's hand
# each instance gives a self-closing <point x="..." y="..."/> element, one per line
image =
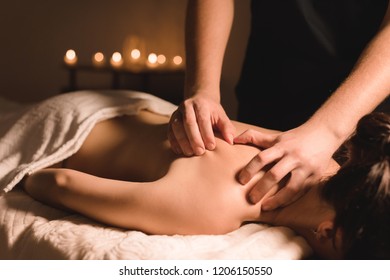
<point x="297" y="158"/>
<point x="191" y="127"/>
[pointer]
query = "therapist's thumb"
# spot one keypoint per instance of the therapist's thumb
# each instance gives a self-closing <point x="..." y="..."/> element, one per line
<point x="227" y="129"/>
<point x="257" y="138"/>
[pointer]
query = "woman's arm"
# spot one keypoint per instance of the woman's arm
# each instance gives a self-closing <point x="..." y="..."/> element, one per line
<point x="109" y="201"/>
<point x="160" y="207"/>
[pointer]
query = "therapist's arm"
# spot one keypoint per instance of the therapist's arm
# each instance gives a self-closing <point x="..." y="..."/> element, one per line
<point x="304" y="152"/>
<point x="208" y="25"/>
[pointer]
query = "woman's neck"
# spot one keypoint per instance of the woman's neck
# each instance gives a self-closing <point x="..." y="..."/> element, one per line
<point x="305" y="216"/>
<point x="306" y="212"/>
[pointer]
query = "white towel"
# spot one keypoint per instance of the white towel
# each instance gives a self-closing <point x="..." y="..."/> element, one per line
<point x="39" y="135"/>
<point x="31" y="230"/>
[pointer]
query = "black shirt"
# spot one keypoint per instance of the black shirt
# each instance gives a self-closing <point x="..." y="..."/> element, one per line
<point x="298" y="53"/>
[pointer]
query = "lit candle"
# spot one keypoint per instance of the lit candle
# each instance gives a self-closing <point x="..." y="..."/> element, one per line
<point x="135" y="54"/>
<point x="152" y="60"/>
<point x="161" y="59"/>
<point x="116" y="60"/>
<point x="177" y="60"/>
<point x="70" y="57"/>
<point x="98" y="59"/>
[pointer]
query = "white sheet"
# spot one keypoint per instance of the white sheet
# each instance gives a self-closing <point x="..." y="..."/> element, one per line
<point x="55" y="129"/>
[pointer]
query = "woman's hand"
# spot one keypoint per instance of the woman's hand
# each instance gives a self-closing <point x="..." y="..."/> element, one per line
<point x="190" y="129"/>
<point x="296" y="158"/>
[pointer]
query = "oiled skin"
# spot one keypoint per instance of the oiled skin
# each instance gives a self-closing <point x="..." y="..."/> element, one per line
<point x="126" y="175"/>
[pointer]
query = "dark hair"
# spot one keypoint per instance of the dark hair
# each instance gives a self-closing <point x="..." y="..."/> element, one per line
<point x="360" y="191"/>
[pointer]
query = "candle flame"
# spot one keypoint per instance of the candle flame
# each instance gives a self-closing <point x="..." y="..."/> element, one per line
<point x="98" y="57"/>
<point x="135" y="54"/>
<point x="161" y="59"/>
<point x="152" y="58"/>
<point x="177" y="60"/>
<point x="116" y="57"/>
<point x="70" y="54"/>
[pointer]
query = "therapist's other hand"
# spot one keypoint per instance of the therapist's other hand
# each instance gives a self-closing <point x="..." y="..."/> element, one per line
<point x="191" y="127"/>
<point x="297" y="157"/>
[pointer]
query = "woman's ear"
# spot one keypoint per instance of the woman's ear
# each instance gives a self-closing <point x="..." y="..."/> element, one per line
<point x="328" y="244"/>
<point x="324" y="230"/>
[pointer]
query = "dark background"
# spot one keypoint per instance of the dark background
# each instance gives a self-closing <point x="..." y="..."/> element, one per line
<point x="36" y="34"/>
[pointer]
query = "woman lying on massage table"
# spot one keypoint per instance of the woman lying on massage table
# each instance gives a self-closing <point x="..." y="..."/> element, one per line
<point x="126" y="175"/>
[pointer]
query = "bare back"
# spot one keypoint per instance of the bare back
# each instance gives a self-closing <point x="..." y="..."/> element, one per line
<point x="203" y="190"/>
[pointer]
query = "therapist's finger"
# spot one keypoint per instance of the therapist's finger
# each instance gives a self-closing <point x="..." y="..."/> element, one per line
<point x="181" y="136"/>
<point x="190" y="123"/>
<point x="205" y="127"/>
<point x="289" y="193"/>
<point x="171" y="134"/>
<point x="272" y="177"/>
<point x="173" y="142"/>
<point x="226" y="128"/>
<point x="258" y="162"/>
<point x="257" y="138"/>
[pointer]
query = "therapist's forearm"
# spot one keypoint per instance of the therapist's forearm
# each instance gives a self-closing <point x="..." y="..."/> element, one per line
<point x="208" y="26"/>
<point x="366" y="87"/>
